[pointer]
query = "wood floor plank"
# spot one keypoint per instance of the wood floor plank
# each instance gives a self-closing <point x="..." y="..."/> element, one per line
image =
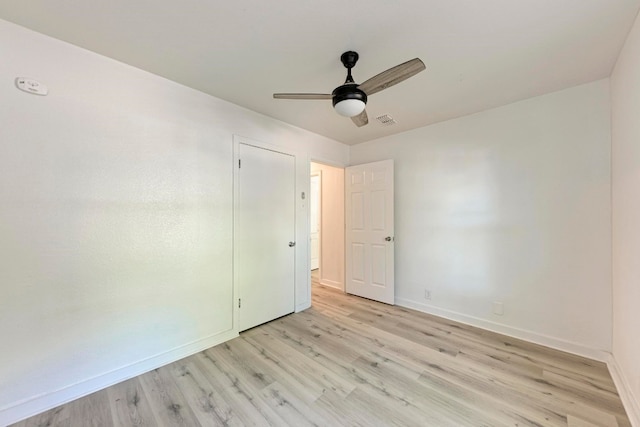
<point x="342" y="413"/>
<point x="367" y="382"/>
<point x="585" y="390"/>
<point x="401" y="330"/>
<point x="58" y="417"/>
<point x="349" y="361"/>
<point x="204" y="400"/>
<point x="392" y="412"/>
<point x="241" y="363"/>
<point x="283" y="373"/>
<point x="418" y="399"/>
<point x="307" y="373"/>
<point x="579" y="422"/>
<point x="526" y="407"/>
<point x="581" y="413"/>
<point x="245" y="403"/>
<point x="169" y="404"/>
<point x="129" y="404"/>
<point x="292" y="410"/>
<point x="457" y="332"/>
<point x="91" y="411"/>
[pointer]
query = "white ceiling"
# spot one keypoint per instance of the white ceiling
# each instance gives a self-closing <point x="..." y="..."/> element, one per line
<point x="479" y="53"/>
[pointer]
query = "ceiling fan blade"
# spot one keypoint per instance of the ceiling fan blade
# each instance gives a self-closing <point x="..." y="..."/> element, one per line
<point x="392" y="76"/>
<point x="302" y="96"/>
<point x="361" y="119"/>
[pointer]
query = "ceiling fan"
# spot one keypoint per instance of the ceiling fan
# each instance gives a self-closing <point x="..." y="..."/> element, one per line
<point x="350" y="99"/>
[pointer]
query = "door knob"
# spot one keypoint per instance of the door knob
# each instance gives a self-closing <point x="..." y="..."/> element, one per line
<point x="388" y="238"/>
<point x="292" y="244"/>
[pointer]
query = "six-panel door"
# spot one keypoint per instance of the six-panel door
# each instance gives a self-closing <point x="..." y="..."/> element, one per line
<point x="369" y="231"/>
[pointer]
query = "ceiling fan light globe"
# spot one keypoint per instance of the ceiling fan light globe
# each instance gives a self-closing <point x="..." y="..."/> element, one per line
<point x="350" y="107"/>
<point x="348" y="100"/>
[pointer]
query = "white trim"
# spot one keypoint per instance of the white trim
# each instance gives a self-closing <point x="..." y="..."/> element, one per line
<point x="523" y="334"/>
<point x="327" y="162"/>
<point x="237" y="140"/>
<point x="236" y="178"/>
<point x="317" y="173"/>
<point x="332" y="284"/>
<point x="43" y="402"/>
<point x="303" y="306"/>
<point x="630" y="402"/>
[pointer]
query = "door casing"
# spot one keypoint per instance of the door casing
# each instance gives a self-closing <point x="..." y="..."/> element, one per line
<point x="315" y="237"/>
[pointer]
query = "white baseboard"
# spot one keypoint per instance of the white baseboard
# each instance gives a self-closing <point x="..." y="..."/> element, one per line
<point x="523" y="334"/>
<point x="630" y="402"/>
<point x="332" y="284"/>
<point x="26" y="408"/>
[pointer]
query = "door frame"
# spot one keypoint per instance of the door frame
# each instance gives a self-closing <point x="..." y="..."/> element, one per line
<point x="319" y="175"/>
<point x="237" y="140"/>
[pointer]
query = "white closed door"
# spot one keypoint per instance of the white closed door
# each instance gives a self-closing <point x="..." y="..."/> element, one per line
<point x="265" y="235"/>
<point x="369" y="231"/>
<point x="314" y="220"/>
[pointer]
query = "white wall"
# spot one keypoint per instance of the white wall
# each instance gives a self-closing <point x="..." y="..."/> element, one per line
<point x="332" y="227"/>
<point x="116" y="220"/>
<point x="511" y="205"/>
<point x="625" y="102"/>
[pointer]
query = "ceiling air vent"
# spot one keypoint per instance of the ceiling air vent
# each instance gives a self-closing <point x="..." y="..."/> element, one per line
<point x="386" y="120"/>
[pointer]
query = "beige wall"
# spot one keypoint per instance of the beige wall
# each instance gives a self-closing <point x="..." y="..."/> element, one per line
<point x="625" y="103"/>
<point x="116" y="219"/>
<point x="513" y="205"/>
<point x="332" y="225"/>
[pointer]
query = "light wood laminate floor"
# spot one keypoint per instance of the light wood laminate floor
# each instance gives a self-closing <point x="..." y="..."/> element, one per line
<point x="349" y="361"/>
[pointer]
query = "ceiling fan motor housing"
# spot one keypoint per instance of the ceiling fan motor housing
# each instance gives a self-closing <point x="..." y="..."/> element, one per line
<point x="351" y="100"/>
<point x="348" y="91"/>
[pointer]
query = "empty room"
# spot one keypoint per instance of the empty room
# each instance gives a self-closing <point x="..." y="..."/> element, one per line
<point x="416" y="213"/>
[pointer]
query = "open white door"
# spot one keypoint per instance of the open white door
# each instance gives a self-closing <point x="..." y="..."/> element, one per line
<point x="369" y="231"/>
<point x="265" y="235"/>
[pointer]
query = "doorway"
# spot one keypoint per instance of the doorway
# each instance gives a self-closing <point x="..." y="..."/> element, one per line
<point x="330" y="223"/>
<point x="356" y="231"/>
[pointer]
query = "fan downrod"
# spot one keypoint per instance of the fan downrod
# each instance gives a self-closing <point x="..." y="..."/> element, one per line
<point x="349" y="60"/>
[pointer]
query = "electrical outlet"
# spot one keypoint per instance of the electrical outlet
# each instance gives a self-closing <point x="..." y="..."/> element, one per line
<point x="427" y="294"/>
